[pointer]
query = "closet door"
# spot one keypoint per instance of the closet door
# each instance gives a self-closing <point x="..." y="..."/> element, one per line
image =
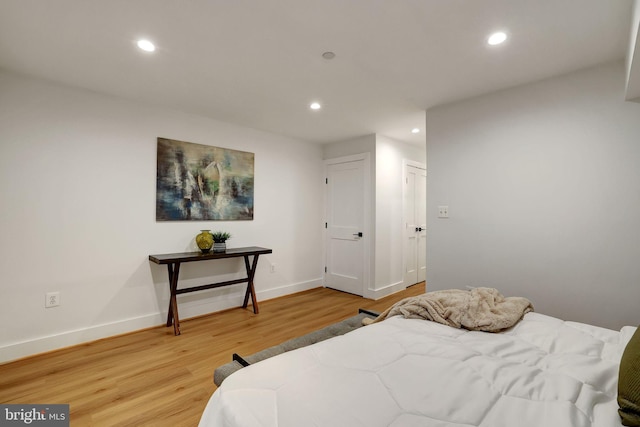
<point x="346" y="236"/>
<point x="415" y="237"/>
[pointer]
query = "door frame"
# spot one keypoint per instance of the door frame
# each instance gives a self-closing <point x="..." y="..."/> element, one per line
<point x="367" y="237"/>
<point x="405" y="164"/>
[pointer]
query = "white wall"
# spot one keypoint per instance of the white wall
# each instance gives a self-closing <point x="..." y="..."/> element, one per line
<point x="543" y="187"/>
<point x="363" y="144"/>
<point x="389" y="247"/>
<point x="78" y="176"/>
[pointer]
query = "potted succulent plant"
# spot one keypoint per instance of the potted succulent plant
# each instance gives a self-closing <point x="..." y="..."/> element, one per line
<point x="219" y="240"/>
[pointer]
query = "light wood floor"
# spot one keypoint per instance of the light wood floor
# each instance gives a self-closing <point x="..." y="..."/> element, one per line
<point x="153" y="378"/>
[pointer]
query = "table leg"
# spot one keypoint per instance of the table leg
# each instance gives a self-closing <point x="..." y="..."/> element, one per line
<point x="251" y="272"/>
<point x="170" y="310"/>
<point x="172" y="313"/>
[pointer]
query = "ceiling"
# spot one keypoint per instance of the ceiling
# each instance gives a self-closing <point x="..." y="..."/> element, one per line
<point x="259" y="63"/>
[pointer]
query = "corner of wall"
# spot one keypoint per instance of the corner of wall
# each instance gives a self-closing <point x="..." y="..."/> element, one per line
<point x="632" y="83"/>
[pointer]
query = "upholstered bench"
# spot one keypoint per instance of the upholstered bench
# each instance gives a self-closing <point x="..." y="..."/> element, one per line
<point x="330" y="331"/>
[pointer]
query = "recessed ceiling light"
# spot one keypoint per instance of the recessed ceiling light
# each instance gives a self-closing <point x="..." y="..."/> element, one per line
<point x="328" y="55"/>
<point x="415" y="130"/>
<point x="497" y="38"/>
<point x="146" y="45"/>
<point x="315" y="106"/>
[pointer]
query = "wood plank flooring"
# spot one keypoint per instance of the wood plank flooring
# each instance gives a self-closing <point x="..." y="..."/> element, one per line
<point x="153" y="378"/>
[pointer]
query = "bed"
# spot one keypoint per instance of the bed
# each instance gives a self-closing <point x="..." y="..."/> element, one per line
<point x="407" y="372"/>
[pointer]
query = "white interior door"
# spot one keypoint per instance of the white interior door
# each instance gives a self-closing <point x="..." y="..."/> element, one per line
<point x="415" y="204"/>
<point x="345" y="226"/>
<point x="421" y="209"/>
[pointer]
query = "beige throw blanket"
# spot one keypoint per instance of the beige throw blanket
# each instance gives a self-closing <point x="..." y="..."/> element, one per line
<point x="480" y="309"/>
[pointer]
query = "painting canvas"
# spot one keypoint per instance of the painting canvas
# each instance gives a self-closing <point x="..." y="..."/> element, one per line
<point x="201" y="182"/>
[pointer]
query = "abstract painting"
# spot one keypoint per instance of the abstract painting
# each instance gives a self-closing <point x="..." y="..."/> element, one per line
<point x="201" y="183"/>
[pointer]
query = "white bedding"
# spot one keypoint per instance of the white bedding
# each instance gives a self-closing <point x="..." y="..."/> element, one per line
<point x="404" y="372"/>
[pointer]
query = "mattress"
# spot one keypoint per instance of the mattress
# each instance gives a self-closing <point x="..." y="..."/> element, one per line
<point x="408" y="372"/>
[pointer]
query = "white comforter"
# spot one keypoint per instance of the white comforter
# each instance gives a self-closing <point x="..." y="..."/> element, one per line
<point x="404" y="372"/>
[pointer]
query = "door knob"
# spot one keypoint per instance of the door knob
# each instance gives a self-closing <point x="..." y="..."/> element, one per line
<point x="358" y="234"/>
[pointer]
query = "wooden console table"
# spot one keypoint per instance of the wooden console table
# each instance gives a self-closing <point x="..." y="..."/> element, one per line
<point x="173" y="262"/>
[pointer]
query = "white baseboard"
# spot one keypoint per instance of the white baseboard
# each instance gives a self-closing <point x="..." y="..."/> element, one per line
<point x="44" y="344"/>
<point x="376" y="294"/>
<point x="189" y="308"/>
<point x="289" y="289"/>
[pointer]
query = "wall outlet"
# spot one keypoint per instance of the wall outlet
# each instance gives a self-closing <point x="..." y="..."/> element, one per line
<point x="52" y="299"/>
<point x="443" y="211"/>
<point x="273" y="268"/>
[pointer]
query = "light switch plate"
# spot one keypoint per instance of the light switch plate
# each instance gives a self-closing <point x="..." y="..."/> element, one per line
<point x="443" y="211"/>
